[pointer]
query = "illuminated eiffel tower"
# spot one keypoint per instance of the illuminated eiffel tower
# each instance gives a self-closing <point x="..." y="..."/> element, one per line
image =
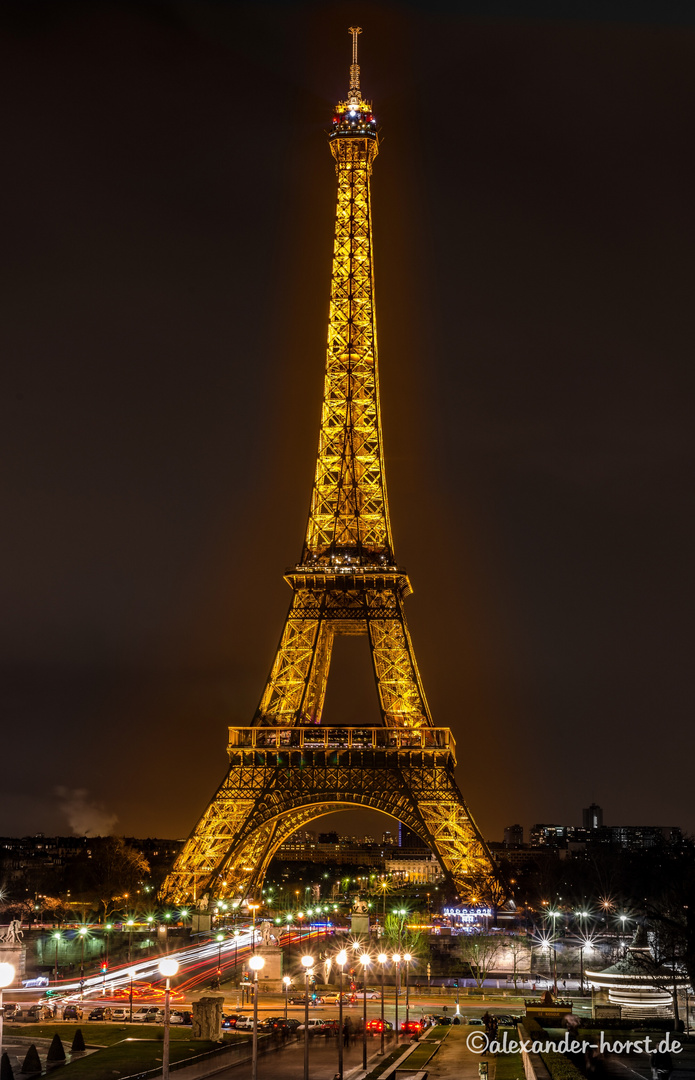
<point x="287" y="769"/>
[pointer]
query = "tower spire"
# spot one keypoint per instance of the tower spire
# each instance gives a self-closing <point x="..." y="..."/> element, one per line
<point x="354" y="87"/>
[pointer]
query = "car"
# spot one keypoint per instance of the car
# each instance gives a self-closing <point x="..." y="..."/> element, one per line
<point x="13" y="1011"/>
<point x="175" y="1017"/>
<point x="119" y="1014"/>
<point x="229" y="1020"/>
<point x="99" y="1014"/>
<point x="369" y="994"/>
<point x="244" y="1023"/>
<point x="316" y="1026"/>
<point x="293" y="1023"/>
<point x="444" y="1021"/>
<point x="37" y="1013"/>
<point x="508" y="1020"/>
<point x="375" y="1027"/>
<point x="146" y="1014"/>
<point x="72" y="1012"/>
<point x="475" y="1021"/>
<point x="412" y="1027"/>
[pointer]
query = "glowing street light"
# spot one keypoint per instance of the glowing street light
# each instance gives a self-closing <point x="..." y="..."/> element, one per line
<point x="168" y="968"/>
<point x="407" y="957"/>
<point x="131" y="975"/>
<point x="286" y="983"/>
<point x="256" y="963"/>
<point x="365" y="961"/>
<point x="7" y="974"/>
<point x="382" y="959"/>
<point x="397" y="961"/>
<point x="308" y="963"/>
<point x="341" y="961"/>
<point x="253" y="908"/>
<point x="57" y="937"/>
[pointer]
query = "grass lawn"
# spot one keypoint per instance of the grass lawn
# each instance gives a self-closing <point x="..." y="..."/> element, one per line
<point x="126" y="1058"/>
<point x="508" y="1067"/>
<point x="96" y="1034"/>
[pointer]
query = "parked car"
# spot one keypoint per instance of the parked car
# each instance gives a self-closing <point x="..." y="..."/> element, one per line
<point x="72" y="1012"/>
<point x="316" y="1025"/>
<point x="119" y="1014"/>
<point x="475" y="1021"/>
<point x="229" y="1021"/>
<point x="175" y="1017"/>
<point x="412" y="1027"/>
<point x="244" y="1023"/>
<point x="375" y="1027"/>
<point x="37" y="1013"/>
<point x="369" y="993"/>
<point x="445" y="1021"/>
<point x="507" y="1020"/>
<point x="13" y="1011"/>
<point x="100" y="1014"/>
<point x="146" y="1014"/>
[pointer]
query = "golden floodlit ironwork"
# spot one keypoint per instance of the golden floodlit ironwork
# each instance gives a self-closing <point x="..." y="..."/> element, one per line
<point x="287" y="769"/>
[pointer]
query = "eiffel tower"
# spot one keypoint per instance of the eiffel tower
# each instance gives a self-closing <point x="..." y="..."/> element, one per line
<point x="287" y="768"/>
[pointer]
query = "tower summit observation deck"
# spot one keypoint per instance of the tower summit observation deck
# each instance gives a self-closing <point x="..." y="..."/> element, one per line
<point x="290" y="766"/>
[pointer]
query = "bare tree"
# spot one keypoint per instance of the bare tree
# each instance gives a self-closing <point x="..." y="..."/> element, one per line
<point x="479" y="951"/>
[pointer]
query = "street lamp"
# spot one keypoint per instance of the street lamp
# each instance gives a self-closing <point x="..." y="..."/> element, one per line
<point x="131" y="975"/>
<point x="236" y="949"/>
<point x="383" y="959"/>
<point x="308" y="963"/>
<point x="7" y="974"/>
<point x="408" y="957"/>
<point x="168" y="968"/>
<point x="82" y="933"/>
<point x="255" y="963"/>
<point x="397" y="961"/>
<point x="341" y="960"/>
<point x="365" y="961"/>
<point x="253" y="908"/>
<point x="219" y="939"/>
<point x="130" y="924"/>
<point x="286" y="981"/>
<point x="554" y="915"/>
<point x="57" y="938"/>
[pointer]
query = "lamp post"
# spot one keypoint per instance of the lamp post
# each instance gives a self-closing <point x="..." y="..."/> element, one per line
<point x="7" y="974"/>
<point x="365" y="962"/>
<point x="408" y="957"/>
<point x="382" y="958"/>
<point x="131" y="976"/>
<point x="56" y="938"/>
<point x="308" y="963"/>
<point x="300" y="916"/>
<point x="286" y="980"/>
<point x="219" y="938"/>
<point x="255" y="963"/>
<point x="130" y="925"/>
<point x="253" y="908"/>
<point x="341" y="960"/>
<point x="83" y="934"/>
<point x="168" y="968"/>
<point x="236" y="949"/>
<point x="289" y="941"/>
<point x="554" y="915"/>
<point x="397" y="961"/>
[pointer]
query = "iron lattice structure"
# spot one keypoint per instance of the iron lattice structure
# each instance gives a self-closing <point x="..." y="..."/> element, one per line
<point x="287" y="769"/>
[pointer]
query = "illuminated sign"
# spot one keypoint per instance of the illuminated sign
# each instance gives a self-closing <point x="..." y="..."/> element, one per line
<point x="467" y="915"/>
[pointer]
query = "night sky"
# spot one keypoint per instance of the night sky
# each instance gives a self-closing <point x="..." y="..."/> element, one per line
<point x="167" y="205"/>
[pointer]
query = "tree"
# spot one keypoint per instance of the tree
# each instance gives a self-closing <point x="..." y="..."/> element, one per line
<point x="32" y="1062"/>
<point x="479" y="951"/>
<point x="6" y="1068"/>
<point x="115" y="869"/>
<point x="78" y="1042"/>
<point x="56" y="1051"/>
